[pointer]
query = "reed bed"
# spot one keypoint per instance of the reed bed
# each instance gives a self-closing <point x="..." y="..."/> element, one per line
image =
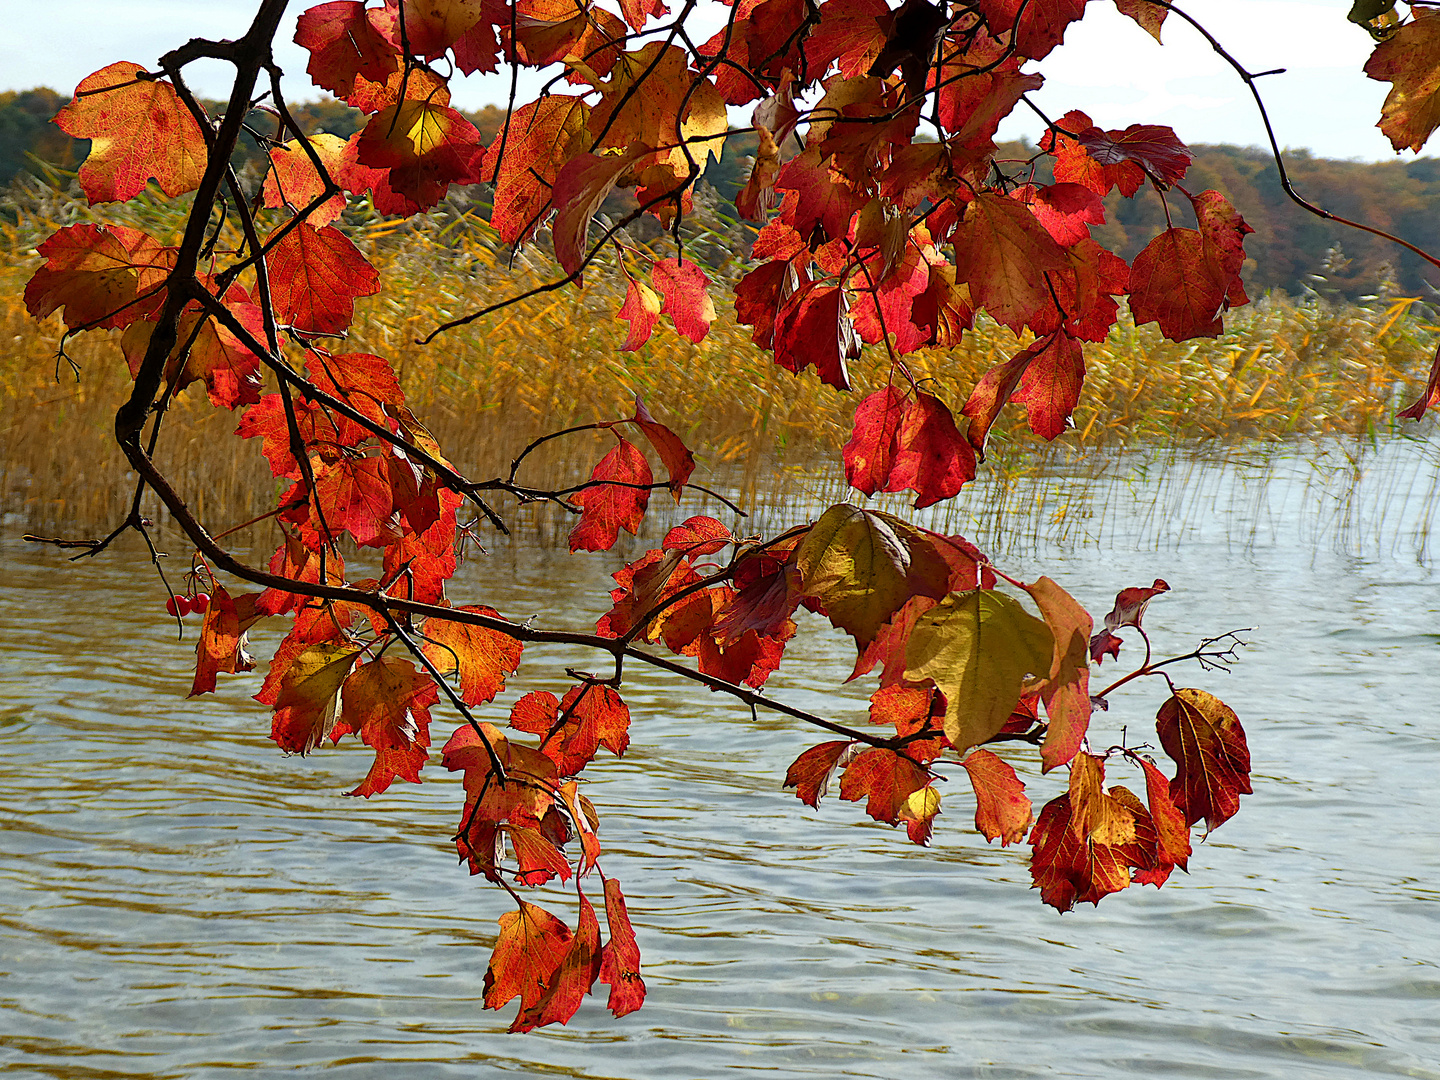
<point x="1285" y="370"/>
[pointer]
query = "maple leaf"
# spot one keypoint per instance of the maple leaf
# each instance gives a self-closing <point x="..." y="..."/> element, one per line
<point x="221" y="647"/>
<point x="315" y="277"/>
<point x="1066" y="686"/>
<point x="869" y="455"/>
<point x="1066" y="210"/>
<point x="531" y="947"/>
<point x="674" y="455"/>
<point x="1204" y="737"/>
<point x="1074" y="164"/>
<point x="571" y="979"/>
<point x="303" y="687"/>
<point x="810" y="773"/>
<point x="884" y="778"/>
<point x="138" y="130"/>
<point x="575" y="727"/>
<point x="645" y="584"/>
<point x="1408" y="61"/>
<point x="1172" y="831"/>
<point x="432" y="27"/>
<point x="1005" y="253"/>
<point x="105" y="276"/>
<point x="861" y="566"/>
<point x="425" y="147"/>
<point x="482" y="656"/>
<point x="1085" y="841"/>
<point x="346" y="47"/>
<point x="1002" y="812"/>
<point x="387" y="703"/>
<point x="292" y="180"/>
<point x="913" y="711"/>
<point x="978" y="647"/>
<point x="931" y="457"/>
<point x="618" y="500"/>
<point x="537" y="859"/>
<point x="683" y="287"/>
<point x="812" y="327"/>
<point x="696" y="536"/>
<point x="620" y="961"/>
<point x="1151" y="146"/>
<point x="230" y="371"/>
<point x="1038" y="25"/>
<point x="354" y="494"/>
<point x="1049" y="387"/>
<point x="641" y="310"/>
<point x="525" y="160"/>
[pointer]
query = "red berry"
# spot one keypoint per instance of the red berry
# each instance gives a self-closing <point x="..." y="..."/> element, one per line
<point x="177" y="606"/>
<point x="200" y="603"/>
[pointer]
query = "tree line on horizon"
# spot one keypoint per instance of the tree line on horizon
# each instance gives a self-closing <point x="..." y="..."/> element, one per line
<point x="1291" y="250"/>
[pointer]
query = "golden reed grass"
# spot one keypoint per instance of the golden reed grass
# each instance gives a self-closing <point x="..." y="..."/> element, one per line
<point x="1283" y="368"/>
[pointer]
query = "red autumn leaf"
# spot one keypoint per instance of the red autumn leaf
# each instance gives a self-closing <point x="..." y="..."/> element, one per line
<point x="759" y="295"/>
<point x="1105" y="643"/>
<point x="674" y="455"/>
<point x="139" y="130"/>
<point x="1074" y="164"/>
<point x="363" y="381"/>
<point x="618" y="500"/>
<point x="593" y="716"/>
<point x="303" y="687"/>
<point x="531" y="947"/>
<point x="482" y="656"/>
<point x="884" y="778"/>
<point x="572" y="978"/>
<point x="641" y="310"/>
<point x="620" y="961"/>
<point x="1173" y="283"/>
<point x="1152" y="146"/>
<point x="1066" y="210"/>
<point x="580" y="187"/>
<point x="913" y="711"/>
<point x="292" y="180"/>
<point x="1005" y="253"/>
<point x="537" y="141"/>
<point x="434" y="26"/>
<point x="870" y="453"/>
<point x="1066" y="689"/>
<point x="1432" y="392"/>
<point x="1038" y="25"/>
<point x="696" y="536"/>
<point x="1130" y="604"/>
<point x="536" y="858"/>
<point x="387" y="703"/>
<point x="354" y="494"/>
<point x="346" y="47"/>
<point x="683" y="287"/>
<point x="809" y="774"/>
<point x="748" y="661"/>
<point x="1172" y="832"/>
<point x="102" y="275"/>
<point x="1083" y="845"/>
<point x="230" y="371"/>
<point x="932" y="459"/>
<point x="1002" y="811"/>
<point x="425" y="147"/>
<point x="221" y="647"/>
<point x="994" y="389"/>
<point x="1408" y="61"/>
<point x="315" y="277"/>
<point x="812" y="327"/>
<point x="638" y="12"/>
<point x="1204" y="737"/>
<point x="645" y="585"/>
<point x="1049" y="387"/>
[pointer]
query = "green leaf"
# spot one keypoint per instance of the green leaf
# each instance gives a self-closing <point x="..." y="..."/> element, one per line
<point x="862" y="566"/>
<point x="978" y="647"/>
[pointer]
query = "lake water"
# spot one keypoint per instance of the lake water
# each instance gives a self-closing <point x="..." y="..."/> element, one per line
<point x="177" y="899"/>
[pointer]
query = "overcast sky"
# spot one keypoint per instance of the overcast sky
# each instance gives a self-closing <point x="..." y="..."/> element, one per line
<point x="1107" y="66"/>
